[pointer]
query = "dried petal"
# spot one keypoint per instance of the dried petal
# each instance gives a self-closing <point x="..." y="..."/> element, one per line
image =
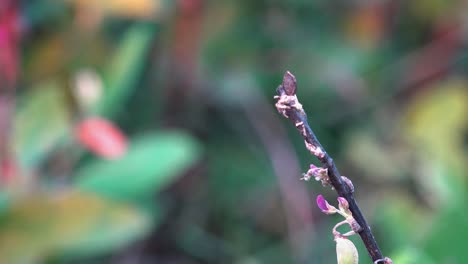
<point x="305" y="177"/>
<point x="319" y="173"/>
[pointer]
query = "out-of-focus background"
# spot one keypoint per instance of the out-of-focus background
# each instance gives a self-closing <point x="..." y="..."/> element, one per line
<point x="144" y="131"/>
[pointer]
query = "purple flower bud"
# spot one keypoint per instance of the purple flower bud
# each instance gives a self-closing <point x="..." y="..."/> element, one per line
<point x="324" y="205"/>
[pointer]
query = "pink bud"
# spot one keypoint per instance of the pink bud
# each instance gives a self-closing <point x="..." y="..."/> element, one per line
<point x="8" y="170"/>
<point x="324" y="205"/>
<point x="343" y="203"/>
<point x="102" y="137"/>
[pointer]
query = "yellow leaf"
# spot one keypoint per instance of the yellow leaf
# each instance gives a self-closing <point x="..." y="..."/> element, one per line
<point x="142" y="9"/>
<point x="435" y="122"/>
<point x="42" y="225"/>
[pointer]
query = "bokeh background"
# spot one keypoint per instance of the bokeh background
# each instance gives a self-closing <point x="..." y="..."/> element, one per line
<point x="144" y="131"/>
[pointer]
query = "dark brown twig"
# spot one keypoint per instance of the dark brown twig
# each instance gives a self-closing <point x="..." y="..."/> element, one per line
<point x="289" y="106"/>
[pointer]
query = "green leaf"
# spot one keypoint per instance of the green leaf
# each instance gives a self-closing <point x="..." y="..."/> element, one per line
<point x="125" y="68"/>
<point x="42" y="225"/>
<point x="151" y="163"/>
<point x="4" y="200"/>
<point x="41" y="121"/>
<point x="446" y="241"/>
<point x="401" y="220"/>
<point x="255" y="172"/>
<point x="411" y="256"/>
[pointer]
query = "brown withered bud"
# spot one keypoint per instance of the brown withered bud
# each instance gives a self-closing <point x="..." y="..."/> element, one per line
<point x="289" y="83"/>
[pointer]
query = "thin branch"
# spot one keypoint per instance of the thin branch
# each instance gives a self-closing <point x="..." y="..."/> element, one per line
<point x="289" y="107"/>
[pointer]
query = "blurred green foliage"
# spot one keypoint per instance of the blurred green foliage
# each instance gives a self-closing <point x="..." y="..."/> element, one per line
<point x="149" y="165"/>
<point x="211" y="174"/>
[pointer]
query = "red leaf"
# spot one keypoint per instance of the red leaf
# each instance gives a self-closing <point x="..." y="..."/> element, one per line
<point x="8" y="171"/>
<point x="9" y="41"/>
<point x="102" y="137"/>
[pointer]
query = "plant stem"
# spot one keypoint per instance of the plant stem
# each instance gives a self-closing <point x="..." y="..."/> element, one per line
<point x="289" y="106"/>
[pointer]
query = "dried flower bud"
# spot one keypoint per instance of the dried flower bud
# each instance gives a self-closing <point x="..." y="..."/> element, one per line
<point x="348" y="182"/>
<point x="346" y="252"/>
<point x="289" y="83"/>
<point x="305" y="177"/>
<point x="319" y="173"/>
<point x="325" y="206"/>
<point x="313" y="169"/>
